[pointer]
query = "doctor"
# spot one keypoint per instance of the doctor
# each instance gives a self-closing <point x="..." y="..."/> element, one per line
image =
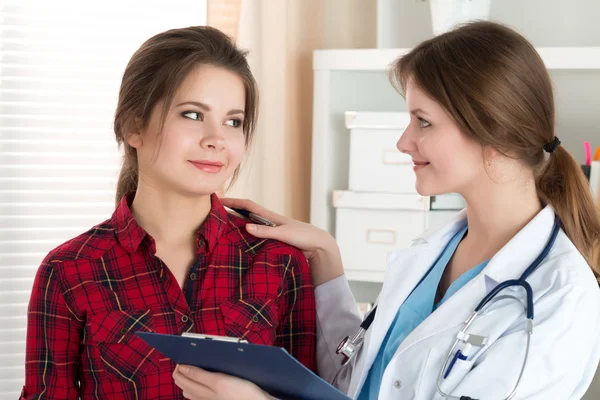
<point x="482" y="125"/>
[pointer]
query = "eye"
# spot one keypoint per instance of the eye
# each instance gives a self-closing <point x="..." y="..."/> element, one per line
<point x="194" y="115"/>
<point x="234" y="123"/>
<point x="424" y="123"/>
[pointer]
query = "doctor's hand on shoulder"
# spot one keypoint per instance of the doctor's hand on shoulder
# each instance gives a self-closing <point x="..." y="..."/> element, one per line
<point x="198" y="384"/>
<point x="319" y="247"/>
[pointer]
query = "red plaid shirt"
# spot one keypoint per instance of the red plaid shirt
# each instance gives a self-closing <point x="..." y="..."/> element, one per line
<point x="92" y="293"/>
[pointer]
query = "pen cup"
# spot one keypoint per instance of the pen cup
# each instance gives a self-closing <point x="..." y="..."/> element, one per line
<point x="595" y="180"/>
<point x="586" y="171"/>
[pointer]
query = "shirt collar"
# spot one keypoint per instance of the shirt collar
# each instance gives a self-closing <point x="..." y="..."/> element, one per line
<point x="130" y="234"/>
<point x="518" y="254"/>
<point x="214" y="226"/>
<point x="445" y="232"/>
<point x="514" y="258"/>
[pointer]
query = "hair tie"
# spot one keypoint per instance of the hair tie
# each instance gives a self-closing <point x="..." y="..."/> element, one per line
<point x="550" y="147"/>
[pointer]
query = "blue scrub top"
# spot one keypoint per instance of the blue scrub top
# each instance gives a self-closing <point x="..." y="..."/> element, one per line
<point x="415" y="309"/>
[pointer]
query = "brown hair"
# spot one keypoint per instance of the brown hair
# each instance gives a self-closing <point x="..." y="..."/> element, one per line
<point x="494" y="84"/>
<point x="156" y="71"/>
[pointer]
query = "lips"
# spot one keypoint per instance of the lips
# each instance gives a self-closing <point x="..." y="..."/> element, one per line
<point x="211" y="167"/>
<point x="419" y="164"/>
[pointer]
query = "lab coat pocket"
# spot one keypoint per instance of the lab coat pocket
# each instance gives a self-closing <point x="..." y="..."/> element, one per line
<point x="252" y="319"/>
<point x="428" y="388"/>
<point x="124" y="355"/>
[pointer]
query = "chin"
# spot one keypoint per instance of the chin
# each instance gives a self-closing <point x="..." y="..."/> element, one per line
<point x="423" y="190"/>
<point x="428" y="189"/>
<point x="201" y="185"/>
<point x="206" y="191"/>
<point x="199" y="190"/>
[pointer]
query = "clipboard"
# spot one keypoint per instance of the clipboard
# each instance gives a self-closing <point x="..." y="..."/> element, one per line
<point x="271" y="368"/>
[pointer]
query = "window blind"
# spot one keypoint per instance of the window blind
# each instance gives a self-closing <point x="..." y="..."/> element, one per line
<point x="61" y="64"/>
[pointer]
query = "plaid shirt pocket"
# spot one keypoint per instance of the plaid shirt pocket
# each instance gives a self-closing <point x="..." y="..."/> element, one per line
<point x="123" y="353"/>
<point x="253" y="319"/>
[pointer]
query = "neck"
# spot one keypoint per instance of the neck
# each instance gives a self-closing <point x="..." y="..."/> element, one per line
<point x="170" y="218"/>
<point x="496" y="212"/>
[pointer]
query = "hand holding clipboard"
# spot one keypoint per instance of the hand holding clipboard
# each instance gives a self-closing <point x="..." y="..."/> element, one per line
<point x="271" y="368"/>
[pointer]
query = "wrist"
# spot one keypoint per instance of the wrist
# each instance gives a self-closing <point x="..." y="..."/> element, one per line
<point x="326" y="262"/>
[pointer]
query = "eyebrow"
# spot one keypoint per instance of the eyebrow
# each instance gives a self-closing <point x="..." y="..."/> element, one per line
<point x="418" y="110"/>
<point x="207" y="108"/>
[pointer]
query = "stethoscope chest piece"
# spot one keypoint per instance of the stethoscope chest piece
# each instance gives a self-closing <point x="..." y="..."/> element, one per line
<point x="350" y="346"/>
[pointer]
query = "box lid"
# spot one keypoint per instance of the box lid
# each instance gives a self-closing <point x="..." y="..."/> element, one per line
<point x="449" y="201"/>
<point x="380" y="201"/>
<point x="376" y="120"/>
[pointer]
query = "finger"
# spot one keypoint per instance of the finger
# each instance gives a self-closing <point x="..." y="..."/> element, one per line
<point x="197" y="374"/>
<point x="251" y="206"/>
<point x="262" y="231"/>
<point x="192" y="389"/>
<point x="239" y="203"/>
<point x="281" y="233"/>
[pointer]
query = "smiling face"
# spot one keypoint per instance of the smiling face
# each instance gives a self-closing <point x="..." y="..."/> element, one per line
<point x="202" y="141"/>
<point x="445" y="159"/>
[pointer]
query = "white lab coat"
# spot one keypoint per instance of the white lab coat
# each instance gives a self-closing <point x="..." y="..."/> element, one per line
<point x="565" y="346"/>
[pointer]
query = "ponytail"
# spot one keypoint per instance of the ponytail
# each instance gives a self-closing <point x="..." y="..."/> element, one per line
<point x="128" y="177"/>
<point x="562" y="185"/>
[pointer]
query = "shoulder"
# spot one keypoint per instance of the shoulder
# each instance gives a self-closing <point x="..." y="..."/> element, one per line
<point x="567" y="312"/>
<point x="82" y="249"/>
<point x="72" y="262"/>
<point x="570" y="265"/>
<point x="568" y="280"/>
<point x="262" y="248"/>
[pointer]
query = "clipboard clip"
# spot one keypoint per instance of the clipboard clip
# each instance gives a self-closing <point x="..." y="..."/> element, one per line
<point x="212" y="337"/>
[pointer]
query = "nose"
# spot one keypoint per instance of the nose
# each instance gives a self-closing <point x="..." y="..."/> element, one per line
<point x="406" y="143"/>
<point x="212" y="138"/>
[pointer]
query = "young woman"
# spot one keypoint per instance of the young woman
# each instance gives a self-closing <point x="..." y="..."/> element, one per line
<point x="482" y="125"/>
<point x="171" y="259"/>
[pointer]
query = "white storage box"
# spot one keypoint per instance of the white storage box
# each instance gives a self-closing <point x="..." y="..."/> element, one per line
<point x="369" y="225"/>
<point x="376" y="165"/>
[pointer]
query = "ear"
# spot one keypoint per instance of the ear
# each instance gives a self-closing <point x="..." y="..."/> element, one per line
<point x="133" y="136"/>
<point x="490" y="154"/>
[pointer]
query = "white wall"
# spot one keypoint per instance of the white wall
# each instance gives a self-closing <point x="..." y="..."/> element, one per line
<point x="404" y="23"/>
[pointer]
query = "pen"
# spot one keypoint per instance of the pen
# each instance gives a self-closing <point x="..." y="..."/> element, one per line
<point x="586" y="168"/>
<point x="588" y="153"/>
<point x="254" y="217"/>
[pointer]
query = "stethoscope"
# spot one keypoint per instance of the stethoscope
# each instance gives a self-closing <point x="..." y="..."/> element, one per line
<point x="351" y="345"/>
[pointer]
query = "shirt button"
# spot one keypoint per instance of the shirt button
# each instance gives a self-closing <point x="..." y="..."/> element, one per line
<point x="255" y="319"/>
<point x="184" y="318"/>
<point x="397" y="384"/>
<point x="193" y="276"/>
<point x="124" y="331"/>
